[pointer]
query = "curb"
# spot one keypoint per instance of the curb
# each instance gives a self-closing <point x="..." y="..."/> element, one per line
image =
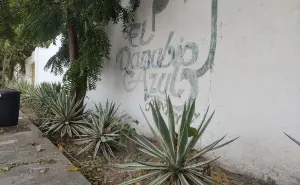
<point x="77" y="175"/>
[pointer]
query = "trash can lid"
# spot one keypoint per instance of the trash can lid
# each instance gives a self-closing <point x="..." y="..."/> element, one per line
<point x="8" y="91"/>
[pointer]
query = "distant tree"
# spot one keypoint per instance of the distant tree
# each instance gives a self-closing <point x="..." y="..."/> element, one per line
<point x="20" y="52"/>
<point x="13" y="48"/>
<point x="14" y="51"/>
<point x="7" y="20"/>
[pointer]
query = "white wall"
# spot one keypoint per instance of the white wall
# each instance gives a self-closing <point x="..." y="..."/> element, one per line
<point x="254" y="85"/>
<point x="28" y="73"/>
<point x="40" y="57"/>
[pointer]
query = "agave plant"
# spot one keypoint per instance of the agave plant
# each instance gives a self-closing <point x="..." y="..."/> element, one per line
<point x="293" y="139"/>
<point x="47" y="92"/>
<point x="36" y="97"/>
<point x="98" y="137"/>
<point x="65" y="116"/>
<point x="177" y="164"/>
<point x="29" y="94"/>
<point x="109" y="112"/>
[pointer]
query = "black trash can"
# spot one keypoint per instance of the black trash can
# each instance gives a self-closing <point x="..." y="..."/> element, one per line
<point x="9" y="107"/>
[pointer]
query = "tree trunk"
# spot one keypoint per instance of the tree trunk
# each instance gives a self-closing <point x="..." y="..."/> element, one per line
<point x="73" y="43"/>
<point x="2" y="77"/>
<point x="73" y="53"/>
<point x="10" y="72"/>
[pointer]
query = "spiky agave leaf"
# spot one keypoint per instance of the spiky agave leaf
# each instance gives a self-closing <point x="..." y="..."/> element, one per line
<point x="65" y="115"/>
<point x="293" y="139"/>
<point x="29" y="95"/>
<point x="47" y="92"/>
<point x="98" y="137"/>
<point x="36" y="97"/>
<point x="109" y="112"/>
<point x="177" y="165"/>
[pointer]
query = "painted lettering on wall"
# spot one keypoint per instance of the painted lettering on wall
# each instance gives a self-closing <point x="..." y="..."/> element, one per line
<point x="161" y="69"/>
<point x="138" y="30"/>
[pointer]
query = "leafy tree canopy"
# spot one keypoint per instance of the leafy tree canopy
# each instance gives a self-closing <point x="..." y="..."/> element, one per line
<point x="44" y="20"/>
<point x="14" y="50"/>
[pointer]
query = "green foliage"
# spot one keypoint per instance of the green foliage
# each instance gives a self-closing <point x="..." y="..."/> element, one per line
<point x="13" y="48"/>
<point x="6" y="20"/>
<point x="47" y="92"/>
<point x="21" y="49"/>
<point x="177" y="164"/>
<point x="46" y="19"/>
<point x="104" y="130"/>
<point x="65" y="115"/>
<point x="293" y="139"/>
<point x="127" y="131"/>
<point x="41" y="21"/>
<point x="50" y="90"/>
<point x="98" y="137"/>
<point x="60" y="60"/>
<point x="109" y="112"/>
<point x="90" y="62"/>
<point x="37" y="98"/>
<point x="14" y="52"/>
<point x="58" y="107"/>
<point x="29" y="95"/>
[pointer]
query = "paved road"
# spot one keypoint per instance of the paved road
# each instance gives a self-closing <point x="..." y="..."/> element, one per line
<point x="22" y="164"/>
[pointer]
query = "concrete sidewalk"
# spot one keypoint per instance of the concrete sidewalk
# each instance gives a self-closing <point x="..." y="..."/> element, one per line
<point x="22" y="164"/>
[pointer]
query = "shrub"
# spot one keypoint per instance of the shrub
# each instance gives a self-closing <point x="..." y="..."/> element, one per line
<point x="47" y="92"/>
<point x="98" y="137"/>
<point x="177" y="163"/>
<point x="36" y="97"/>
<point x="29" y="94"/>
<point x="109" y="113"/>
<point x="103" y="130"/>
<point x="65" y="115"/>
